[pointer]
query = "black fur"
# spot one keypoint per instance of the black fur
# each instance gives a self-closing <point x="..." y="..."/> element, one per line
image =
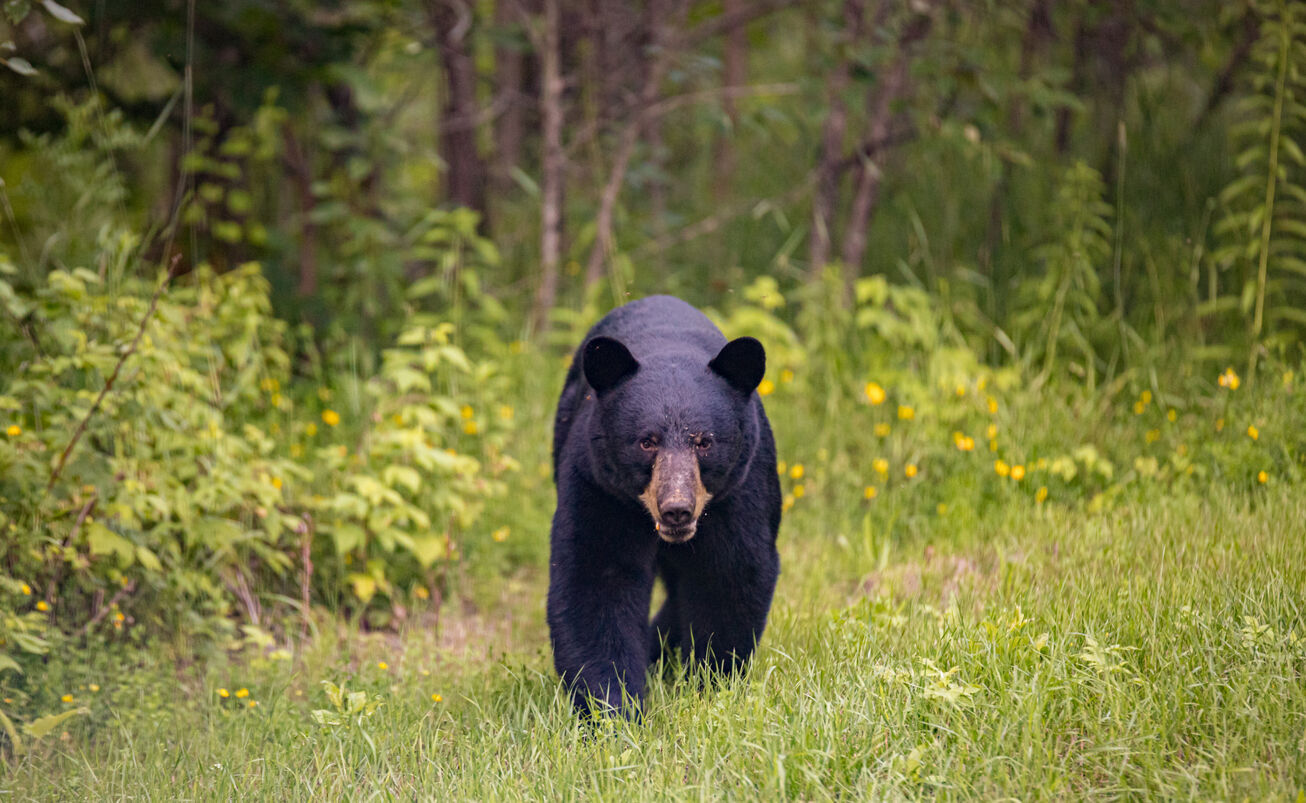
<point x="658" y="367"/>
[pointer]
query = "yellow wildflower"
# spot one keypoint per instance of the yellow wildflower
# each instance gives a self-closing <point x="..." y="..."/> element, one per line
<point x="276" y="483"/>
<point x="961" y="391"/>
<point x="1139" y="407"/>
<point x="42" y="606"/>
<point x="942" y="509"/>
<point x="242" y="692"/>
<point x="1041" y="494"/>
<point x="505" y="412"/>
<point x="910" y="470"/>
<point x="874" y="393"/>
<point x="1018" y="472"/>
<point x="880" y="465"/>
<point x="1219" y="425"/>
<point x="223" y="693"/>
<point x="330" y="417"/>
<point x="993" y="405"/>
<point x="310" y="430"/>
<point x="797" y="471"/>
<point x="94" y="687"/>
<point x="992" y="431"/>
<point x="324" y="394"/>
<point x="788" y="502"/>
<point x="786" y="375"/>
<point x="1262" y="477"/>
<point x="421" y="593"/>
<point x="253" y="703"/>
<point x="27" y="590"/>
<point x="1229" y="379"/>
<point x="882" y="430"/>
<point x="781" y="467"/>
<point x="14" y="431"/>
<point x="1146" y="397"/>
<point x="1253" y="432"/>
<point x="799" y="490"/>
<point x="382" y="665"/>
<point x="1152" y="435"/>
<point x="467" y="411"/>
<point x="118" y="616"/>
<point x="67" y="698"/>
<point x="1172" y="415"/>
<point x="765" y="388"/>
<point x="500" y="535"/>
<point x="435" y="698"/>
<point x="906" y="413"/>
<point x="870" y="492"/>
<point x="1001" y="468"/>
<point x="470" y="427"/>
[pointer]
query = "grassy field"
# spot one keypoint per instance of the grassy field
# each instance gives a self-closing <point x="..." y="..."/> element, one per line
<point x="1156" y="650"/>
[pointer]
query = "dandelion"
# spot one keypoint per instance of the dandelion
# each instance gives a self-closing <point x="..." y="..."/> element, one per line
<point x="1262" y="477"/>
<point x="787" y="503"/>
<point x="1146" y="397"/>
<point x="870" y="492"/>
<point x="786" y="375"/>
<point x="765" y="388"/>
<point x="799" y="490"/>
<point x="1229" y="379"/>
<point x="961" y="391"/>
<point x="118" y="617"/>
<point x="421" y="593"/>
<point x="470" y="427"/>
<point x="797" y="471"/>
<point x="942" y="509"/>
<point x="882" y="430"/>
<point x="435" y="698"/>
<point x="242" y="692"/>
<point x="992" y="431"/>
<point x="1139" y="407"/>
<point x="330" y="417"/>
<point x="1018" y="472"/>
<point x="500" y="535"/>
<point x="1152" y="435"/>
<point x="296" y="450"/>
<point x="911" y="470"/>
<point x="1001" y="468"/>
<point x="382" y="665"/>
<point x="874" y="393"/>
<point x="223" y="693"/>
<point x="781" y="468"/>
<point x="1253" y="432"/>
<point x="963" y="442"/>
<point x="94" y="687"/>
<point x="1219" y="425"/>
<point x="42" y="606"/>
<point x="467" y="411"/>
<point x="276" y="483"/>
<point x="1172" y="415"/>
<point x="67" y="698"/>
<point x="506" y="412"/>
<point x="993" y="405"/>
<point x="881" y="466"/>
<point x="14" y="431"/>
<point x="906" y="413"/>
<point x="310" y="430"/>
<point x="1041" y="495"/>
<point x="253" y="703"/>
<point x="27" y="590"/>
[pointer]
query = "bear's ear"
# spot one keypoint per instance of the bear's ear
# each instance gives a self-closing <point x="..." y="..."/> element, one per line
<point x="742" y="362"/>
<point x="606" y="362"/>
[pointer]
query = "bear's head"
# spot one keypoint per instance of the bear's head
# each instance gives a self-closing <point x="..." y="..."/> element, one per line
<point x="674" y="430"/>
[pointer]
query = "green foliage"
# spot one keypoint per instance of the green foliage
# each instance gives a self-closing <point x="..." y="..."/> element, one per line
<point x="1262" y="257"/>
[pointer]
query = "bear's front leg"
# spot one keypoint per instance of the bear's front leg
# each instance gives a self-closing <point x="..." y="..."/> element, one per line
<point x="600" y="586"/>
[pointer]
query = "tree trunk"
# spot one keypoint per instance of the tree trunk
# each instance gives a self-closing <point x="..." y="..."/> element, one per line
<point x="509" y="76"/>
<point x="465" y="172"/>
<point x="826" y="196"/>
<point x="734" y="73"/>
<point x="301" y="175"/>
<point x="551" y="87"/>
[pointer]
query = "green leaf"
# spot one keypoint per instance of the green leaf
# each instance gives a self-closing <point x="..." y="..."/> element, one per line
<point x="103" y="541"/>
<point x="62" y="14"/>
<point x="19" y="65"/>
<point x="9" y="663"/>
<point x="40" y="728"/>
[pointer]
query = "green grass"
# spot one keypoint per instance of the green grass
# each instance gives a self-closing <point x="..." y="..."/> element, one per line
<point x="1155" y="650"/>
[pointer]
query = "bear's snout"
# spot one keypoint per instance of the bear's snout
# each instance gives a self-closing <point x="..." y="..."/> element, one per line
<point x="675" y="495"/>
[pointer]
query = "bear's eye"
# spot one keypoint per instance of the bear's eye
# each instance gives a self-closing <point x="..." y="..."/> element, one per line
<point x="703" y="442"/>
<point x="649" y="443"/>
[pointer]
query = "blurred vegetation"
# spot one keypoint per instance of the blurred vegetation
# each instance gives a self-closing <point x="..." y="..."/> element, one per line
<point x="288" y="289"/>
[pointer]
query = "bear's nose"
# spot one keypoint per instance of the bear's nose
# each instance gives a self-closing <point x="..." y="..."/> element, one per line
<point x="677" y="515"/>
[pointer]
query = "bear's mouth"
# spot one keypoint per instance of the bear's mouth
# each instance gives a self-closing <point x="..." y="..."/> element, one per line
<point x="676" y="535"/>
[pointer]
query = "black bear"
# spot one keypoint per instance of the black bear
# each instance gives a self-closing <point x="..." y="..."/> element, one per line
<point x="665" y="465"/>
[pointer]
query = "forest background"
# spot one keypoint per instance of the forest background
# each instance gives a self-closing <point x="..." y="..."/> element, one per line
<point x="287" y="290"/>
